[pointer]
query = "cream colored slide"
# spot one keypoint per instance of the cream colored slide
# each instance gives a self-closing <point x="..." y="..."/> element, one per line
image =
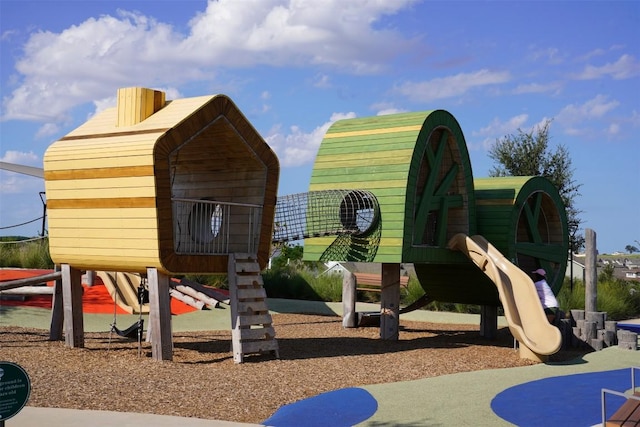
<point x="522" y="308"/>
<point x="123" y="288"/>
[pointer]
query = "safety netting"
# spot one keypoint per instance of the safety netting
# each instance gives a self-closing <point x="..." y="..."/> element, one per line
<point x="325" y="213"/>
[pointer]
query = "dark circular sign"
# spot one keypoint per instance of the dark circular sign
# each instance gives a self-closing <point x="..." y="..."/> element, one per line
<point x="15" y="388"/>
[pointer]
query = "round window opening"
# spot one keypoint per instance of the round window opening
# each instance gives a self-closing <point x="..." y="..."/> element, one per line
<point x="358" y="212"/>
<point x="205" y="222"/>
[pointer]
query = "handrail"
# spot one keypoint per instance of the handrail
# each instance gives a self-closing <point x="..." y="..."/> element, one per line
<point x="215" y="202"/>
<point x="631" y="396"/>
<point x="214" y="227"/>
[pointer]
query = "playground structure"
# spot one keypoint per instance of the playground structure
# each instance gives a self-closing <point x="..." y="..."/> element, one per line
<point x="188" y="186"/>
<point x="158" y="188"/>
<point x="417" y="167"/>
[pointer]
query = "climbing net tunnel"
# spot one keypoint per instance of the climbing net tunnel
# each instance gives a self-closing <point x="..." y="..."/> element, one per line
<point x="325" y="213"/>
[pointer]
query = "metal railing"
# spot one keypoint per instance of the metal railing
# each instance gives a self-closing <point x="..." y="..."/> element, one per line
<point x="210" y="227"/>
<point x="631" y="396"/>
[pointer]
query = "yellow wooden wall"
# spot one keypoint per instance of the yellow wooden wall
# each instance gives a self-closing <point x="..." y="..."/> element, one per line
<point x="101" y="191"/>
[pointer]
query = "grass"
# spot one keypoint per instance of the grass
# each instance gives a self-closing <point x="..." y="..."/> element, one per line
<point x="30" y="254"/>
<point x="620" y="299"/>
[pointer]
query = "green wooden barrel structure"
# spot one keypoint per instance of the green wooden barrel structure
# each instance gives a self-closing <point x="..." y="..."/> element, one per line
<point x="525" y="219"/>
<point x="418" y="168"/>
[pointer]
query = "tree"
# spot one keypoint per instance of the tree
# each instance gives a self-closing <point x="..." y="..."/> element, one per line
<point x="528" y="153"/>
<point x="631" y="249"/>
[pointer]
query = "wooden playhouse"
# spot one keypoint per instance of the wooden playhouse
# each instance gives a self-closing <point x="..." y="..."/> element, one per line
<point x="174" y="186"/>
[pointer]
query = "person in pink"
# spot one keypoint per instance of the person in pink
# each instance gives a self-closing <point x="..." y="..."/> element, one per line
<point x="547" y="298"/>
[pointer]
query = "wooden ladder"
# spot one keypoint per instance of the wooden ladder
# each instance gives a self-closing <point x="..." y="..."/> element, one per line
<point x="251" y="324"/>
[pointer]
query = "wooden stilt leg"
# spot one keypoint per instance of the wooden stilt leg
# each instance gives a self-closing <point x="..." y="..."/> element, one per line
<point x="72" y="301"/>
<point x="390" y="302"/>
<point x="57" y="311"/>
<point x="160" y="315"/>
<point x="349" y="314"/>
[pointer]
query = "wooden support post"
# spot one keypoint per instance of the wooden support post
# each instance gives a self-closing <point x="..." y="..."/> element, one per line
<point x="488" y="321"/>
<point x="591" y="271"/>
<point x="390" y="302"/>
<point x="349" y="314"/>
<point x="160" y="315"/>
<point x="72" y="301"/>
<point x="57" y="311"/>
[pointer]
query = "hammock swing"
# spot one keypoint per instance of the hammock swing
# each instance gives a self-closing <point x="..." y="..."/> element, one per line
<point x="135" y="330"/>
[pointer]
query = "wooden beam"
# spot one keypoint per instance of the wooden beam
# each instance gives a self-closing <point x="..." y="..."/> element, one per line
<point x="57" y="310"/>
<point x="72" y="302"/>
<point x="28" y="281"/>
<point x="349" y="314"/>
<point x="390" y="301"/>
<point x="160" y="315"/>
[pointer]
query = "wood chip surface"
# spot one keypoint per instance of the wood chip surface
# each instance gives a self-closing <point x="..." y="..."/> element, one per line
<point x="316" y="355"/>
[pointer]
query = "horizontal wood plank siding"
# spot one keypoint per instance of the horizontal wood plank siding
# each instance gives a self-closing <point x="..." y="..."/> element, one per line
<point x="371" y="154"/>
<point x="109" y="187"/>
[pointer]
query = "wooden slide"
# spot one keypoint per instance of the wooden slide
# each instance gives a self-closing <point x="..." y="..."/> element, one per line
<point x="123" y="288"/>
<point x="522" y="308"/>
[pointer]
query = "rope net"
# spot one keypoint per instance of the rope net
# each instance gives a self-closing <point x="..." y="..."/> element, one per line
<point x="324" y="213"/>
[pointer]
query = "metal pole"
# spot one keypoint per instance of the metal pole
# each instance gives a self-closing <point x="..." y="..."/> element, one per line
<point x="44" y="216"/>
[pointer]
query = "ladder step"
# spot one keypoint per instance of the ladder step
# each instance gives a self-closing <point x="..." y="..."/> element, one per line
<point x="245" y="257"/>
<point x="259" y="346"/>
<point x="247" y="267"/>
<point x="253" y="280"/>
<point x="259" y="319"/>
<point x="252" y="307"/>
<point x="252" y="293"/>
<point x="253" y="334"/>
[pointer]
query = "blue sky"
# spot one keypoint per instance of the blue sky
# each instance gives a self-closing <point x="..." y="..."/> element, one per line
<point x="295" y="66"/>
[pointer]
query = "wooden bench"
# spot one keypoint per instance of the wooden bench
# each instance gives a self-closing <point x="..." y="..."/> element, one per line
<point x="372" y="282"/>
<point x="627" y="415"/>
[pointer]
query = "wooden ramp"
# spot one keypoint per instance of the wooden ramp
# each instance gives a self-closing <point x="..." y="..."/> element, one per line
<point x="628" y="415"/>
<point x="251" y="324"/>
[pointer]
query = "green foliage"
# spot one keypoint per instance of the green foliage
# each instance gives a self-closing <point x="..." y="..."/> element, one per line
<point x="618" y="298"/>
<point x="631" y="249"/>
<point x="293" y="284"/>
<point x="528" y="154"/>
<point x="31" y="254"/>
<point x="288" y="255"/>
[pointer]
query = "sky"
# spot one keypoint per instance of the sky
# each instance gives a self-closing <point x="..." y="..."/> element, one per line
<point x="294" y="67"/>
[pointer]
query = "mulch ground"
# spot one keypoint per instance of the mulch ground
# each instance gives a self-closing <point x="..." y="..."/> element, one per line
<point x="316" y="355"/>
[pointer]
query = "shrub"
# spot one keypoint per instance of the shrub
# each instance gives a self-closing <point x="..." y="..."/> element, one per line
<point x="28" y="254"/>
<point x="618" y="298"/>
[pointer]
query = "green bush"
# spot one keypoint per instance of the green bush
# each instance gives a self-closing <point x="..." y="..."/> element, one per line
<point x="620" y="299"/>
<point x="28" y="254"/>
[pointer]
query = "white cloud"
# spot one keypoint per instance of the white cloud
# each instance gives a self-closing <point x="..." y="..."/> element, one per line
<point x="594" y="108"/>
<point x="625" y="67"/>
<point x="21" y="158"/>
<point x="47" y="129"/>
<point x="553" y="87"/>
<point x="614" y="129"/>
<point x="90" y="60"/>
<point x="387" y="111"/>
<point x="496" y="129"/>
<point x="15" y="183"/>
<point x="322" y="81"/>
<point x="298" y="148"/>
<point x="549" y="54"/>
<point x="452" y="86"/>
